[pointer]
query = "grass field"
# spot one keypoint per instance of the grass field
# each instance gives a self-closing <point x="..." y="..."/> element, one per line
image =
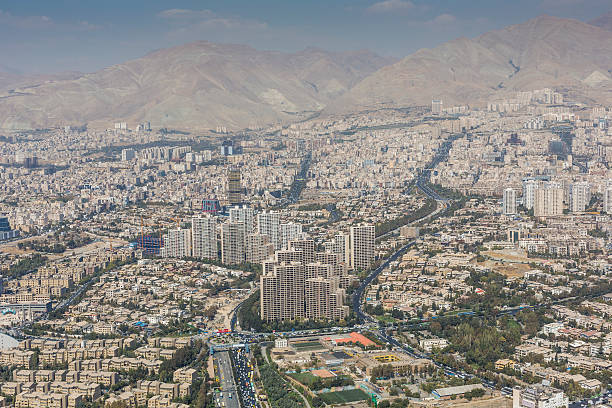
<point x="307" y="345"/>
<point x="304" y="378"/>
<point x="340" y="397"/>
<point x="386" y="319"/>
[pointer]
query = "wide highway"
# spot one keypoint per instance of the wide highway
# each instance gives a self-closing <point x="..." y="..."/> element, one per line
<point x="228" y="397"/>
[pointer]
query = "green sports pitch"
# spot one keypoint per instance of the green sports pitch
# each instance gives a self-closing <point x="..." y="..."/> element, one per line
<point x="307" y="345"/>
<point x="340" y="397"/>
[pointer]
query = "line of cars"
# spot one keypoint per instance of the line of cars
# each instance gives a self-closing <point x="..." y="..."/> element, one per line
<point x="227" y="395"/>
<point x="384" y="336"/>
<point x="604" y="398"/>
<point x="243" y="377"/>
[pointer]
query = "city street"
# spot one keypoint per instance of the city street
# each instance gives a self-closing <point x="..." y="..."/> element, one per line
<point x="243" y="379"/>
<point x="228" y="397"/>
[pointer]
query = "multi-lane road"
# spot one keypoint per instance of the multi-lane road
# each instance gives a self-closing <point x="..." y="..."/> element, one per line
<point x="442" y="204"/>
<point x="228" y="395"/>
<point x="422" y="184"/>
<point x="244" y="378"/>
<point x="366" y="320"/>
<point x="235" y="375"/>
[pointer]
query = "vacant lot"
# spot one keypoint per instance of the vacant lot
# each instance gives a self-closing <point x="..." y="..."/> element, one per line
<point x="495" y="402"/>
<point x="512" y="270"/>
<point x="509" y="263"/>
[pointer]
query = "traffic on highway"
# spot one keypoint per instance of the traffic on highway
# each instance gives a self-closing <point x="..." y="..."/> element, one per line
<point x="243" y="371"/>
<point x="379" y="329"/>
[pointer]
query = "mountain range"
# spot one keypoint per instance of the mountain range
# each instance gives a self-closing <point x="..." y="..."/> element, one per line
<point x="604" y="21"/>
<point x="569" y="55"/>
<point x="198" y="85"/>
<point x="203" y="85"/>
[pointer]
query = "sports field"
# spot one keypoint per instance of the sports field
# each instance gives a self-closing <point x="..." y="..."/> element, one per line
<point x="340" y="397"/>
<point x="304" y="378"/>
<point x="307" y="345"/>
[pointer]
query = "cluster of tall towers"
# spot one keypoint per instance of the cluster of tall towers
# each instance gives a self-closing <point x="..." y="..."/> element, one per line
<point x="548" y="198"/>
<point x="301" y="284"/>
<point x="244" y="237"/>
<point x="297" y="282"/>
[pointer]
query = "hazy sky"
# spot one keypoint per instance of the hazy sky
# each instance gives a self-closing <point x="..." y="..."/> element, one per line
<point x="87" y="35"/>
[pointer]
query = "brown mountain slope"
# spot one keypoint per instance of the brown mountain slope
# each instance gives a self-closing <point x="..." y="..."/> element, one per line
<point x="199" y="85"/>
<point x="604" y="21"/>
<point x="543" y="52"/>
<point x="9" y="79"/>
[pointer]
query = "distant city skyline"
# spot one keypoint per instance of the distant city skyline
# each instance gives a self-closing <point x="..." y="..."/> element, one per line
<point x="49" y="37"/>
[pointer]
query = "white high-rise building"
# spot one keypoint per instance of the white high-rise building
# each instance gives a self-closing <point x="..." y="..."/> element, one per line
<point x="607" y="197"/>
<point x="539" y="396"/>
<point x="548" y="201"/>
<point x="268" y="223"/>
<point x="204" y="237"/>
<point x="436" y="107"/>
<point x="509" y="203"/>
<point x="529" y="188"/>
<point x="341" y="246"/>
<point x="233" y="243"/>
<point x="128" y="154"/>
<point x="244" y="214"/>
<point x="362" y="246"/>
<point x="580" y="196"/>
<point x="289" y="232"/>
<point x="177" y="243"/>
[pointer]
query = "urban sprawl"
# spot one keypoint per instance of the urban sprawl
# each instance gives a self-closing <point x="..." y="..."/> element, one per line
<point x="394" y="258"/>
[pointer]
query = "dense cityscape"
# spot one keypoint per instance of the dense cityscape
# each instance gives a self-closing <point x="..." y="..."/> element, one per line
<point x="373" y="274"/>
<point x="449" y="251"/>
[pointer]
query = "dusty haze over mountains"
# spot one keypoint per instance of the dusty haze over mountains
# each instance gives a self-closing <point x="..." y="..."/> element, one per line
<point x="204" y="85"/>
<point x="196" y="85"/>
<point x="544" y="52"/>
<point x="604" y="21"/>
